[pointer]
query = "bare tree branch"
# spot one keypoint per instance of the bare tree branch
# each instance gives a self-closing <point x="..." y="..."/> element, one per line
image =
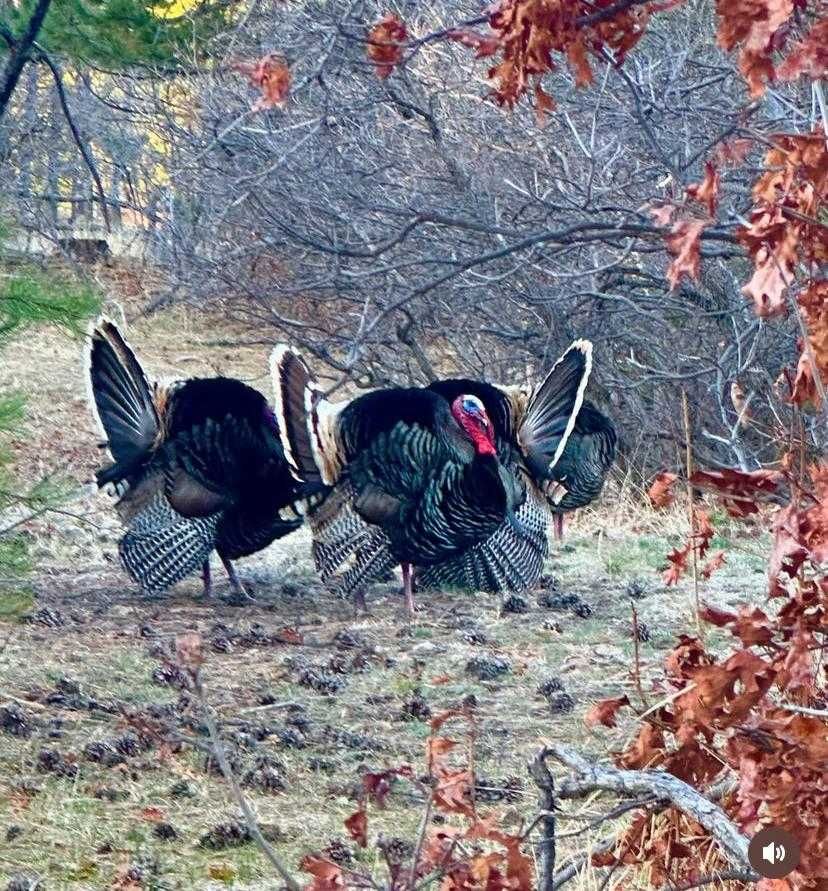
<point x="589" y="777"/>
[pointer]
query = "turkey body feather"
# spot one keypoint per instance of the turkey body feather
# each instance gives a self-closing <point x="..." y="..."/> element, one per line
<point x="587" y="458"/>
<point x="416" y="474"/>
<point x="432" y="500"/>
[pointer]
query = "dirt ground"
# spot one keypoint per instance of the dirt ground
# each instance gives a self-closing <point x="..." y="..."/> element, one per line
<point x="104" y="777"/>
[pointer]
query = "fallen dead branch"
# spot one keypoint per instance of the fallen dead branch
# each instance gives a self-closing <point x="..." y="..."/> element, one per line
<point x="663" y="787"/>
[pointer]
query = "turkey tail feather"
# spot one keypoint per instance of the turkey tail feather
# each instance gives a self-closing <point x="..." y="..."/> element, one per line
<point x="553" y="407"/>
<point x="293" y="392"/>
<point x="121" y="400"/>
<point x="161" y="547"/>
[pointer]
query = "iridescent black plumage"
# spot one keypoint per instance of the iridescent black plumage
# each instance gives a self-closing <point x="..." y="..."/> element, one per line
<point x="587" y="458"/>
<point x="199" y="466"/>
<point x="416" y="475"/>
<point x="584" y="465"/>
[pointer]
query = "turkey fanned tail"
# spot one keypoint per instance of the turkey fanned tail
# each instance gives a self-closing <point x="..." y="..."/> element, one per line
<point x="293" y="387"/>
<point x="552" y="410"/>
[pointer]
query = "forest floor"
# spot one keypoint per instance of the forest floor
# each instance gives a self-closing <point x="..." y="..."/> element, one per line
<point x="104" y="777"/>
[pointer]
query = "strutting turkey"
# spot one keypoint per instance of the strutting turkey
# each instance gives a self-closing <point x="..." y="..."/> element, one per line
<point x="197" y="465"/>
<point x="437" y="478"/>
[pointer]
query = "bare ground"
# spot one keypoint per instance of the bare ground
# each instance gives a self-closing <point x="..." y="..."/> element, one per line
<point x="104" y="781"/>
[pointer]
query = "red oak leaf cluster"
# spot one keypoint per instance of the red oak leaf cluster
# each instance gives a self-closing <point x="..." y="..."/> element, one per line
<point x="684" y="240"/>
<point x="535" y="36"/>
<point x="725" y="725"/>
<point x="385" y="44"/>
<point x="757" y="28"/>
<point x="699" y="541"/>
<point x="740" y="492"/>
<point x="752" y="720"/>
<point x="661" y="492"/>
<point x="785" y="228"/>
<point x="813" y="361"/>
<point x="684" y="244"/>
<point x="272" y="76"/>
<point x="809" y="57"/>
<point x="707" y="191"/>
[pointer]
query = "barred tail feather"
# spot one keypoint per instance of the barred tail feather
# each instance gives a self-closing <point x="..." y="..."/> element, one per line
<point x="348" y="553"/>
<point x="161" y="547"/>
<point x="293" y="384"/>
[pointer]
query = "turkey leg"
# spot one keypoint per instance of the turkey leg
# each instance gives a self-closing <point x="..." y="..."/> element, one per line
<point x="558" y="522"/>
<point x="206" y="579"/>
<point x="408" y="589"/>
<point x="240" y="594"/>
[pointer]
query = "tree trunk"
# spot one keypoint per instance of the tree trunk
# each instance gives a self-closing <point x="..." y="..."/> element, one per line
<point x="20" y="54"/>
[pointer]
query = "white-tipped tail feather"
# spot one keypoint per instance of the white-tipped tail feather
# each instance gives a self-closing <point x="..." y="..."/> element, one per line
<point x="552" y="409"/>
<point x="307" y="421"/>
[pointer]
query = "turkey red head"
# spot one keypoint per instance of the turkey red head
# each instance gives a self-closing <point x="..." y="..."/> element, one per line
<point x="470" y="414"/>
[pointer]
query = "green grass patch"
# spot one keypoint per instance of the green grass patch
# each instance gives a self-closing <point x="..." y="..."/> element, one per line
<point x="15" y="603"/>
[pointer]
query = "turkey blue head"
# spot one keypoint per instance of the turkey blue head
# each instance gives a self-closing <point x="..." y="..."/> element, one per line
<point x="470" y="414"/>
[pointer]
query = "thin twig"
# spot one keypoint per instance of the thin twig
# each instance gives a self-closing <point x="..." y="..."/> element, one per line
<point x="804" y="710"/>
<point x="76" y="135"/>
<point x="614" y="814"/>
<point x="691" y="513"/>
<point x="249" y="816"/>
<point x="421" y="834"/>
<point x="575" y="866"/>
<point x="270" y="707"/>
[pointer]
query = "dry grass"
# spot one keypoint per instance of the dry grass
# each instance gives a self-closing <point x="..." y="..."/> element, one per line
<point x="89" y="830"/>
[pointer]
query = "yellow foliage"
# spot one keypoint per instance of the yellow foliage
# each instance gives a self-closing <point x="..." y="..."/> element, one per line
<point x="174" y="9"/>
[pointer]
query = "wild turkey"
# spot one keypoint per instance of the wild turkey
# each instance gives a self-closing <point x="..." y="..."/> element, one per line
<point x="585" y="462"/>
<point x="198" y="466"/>
<point x="438" y="478"/>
